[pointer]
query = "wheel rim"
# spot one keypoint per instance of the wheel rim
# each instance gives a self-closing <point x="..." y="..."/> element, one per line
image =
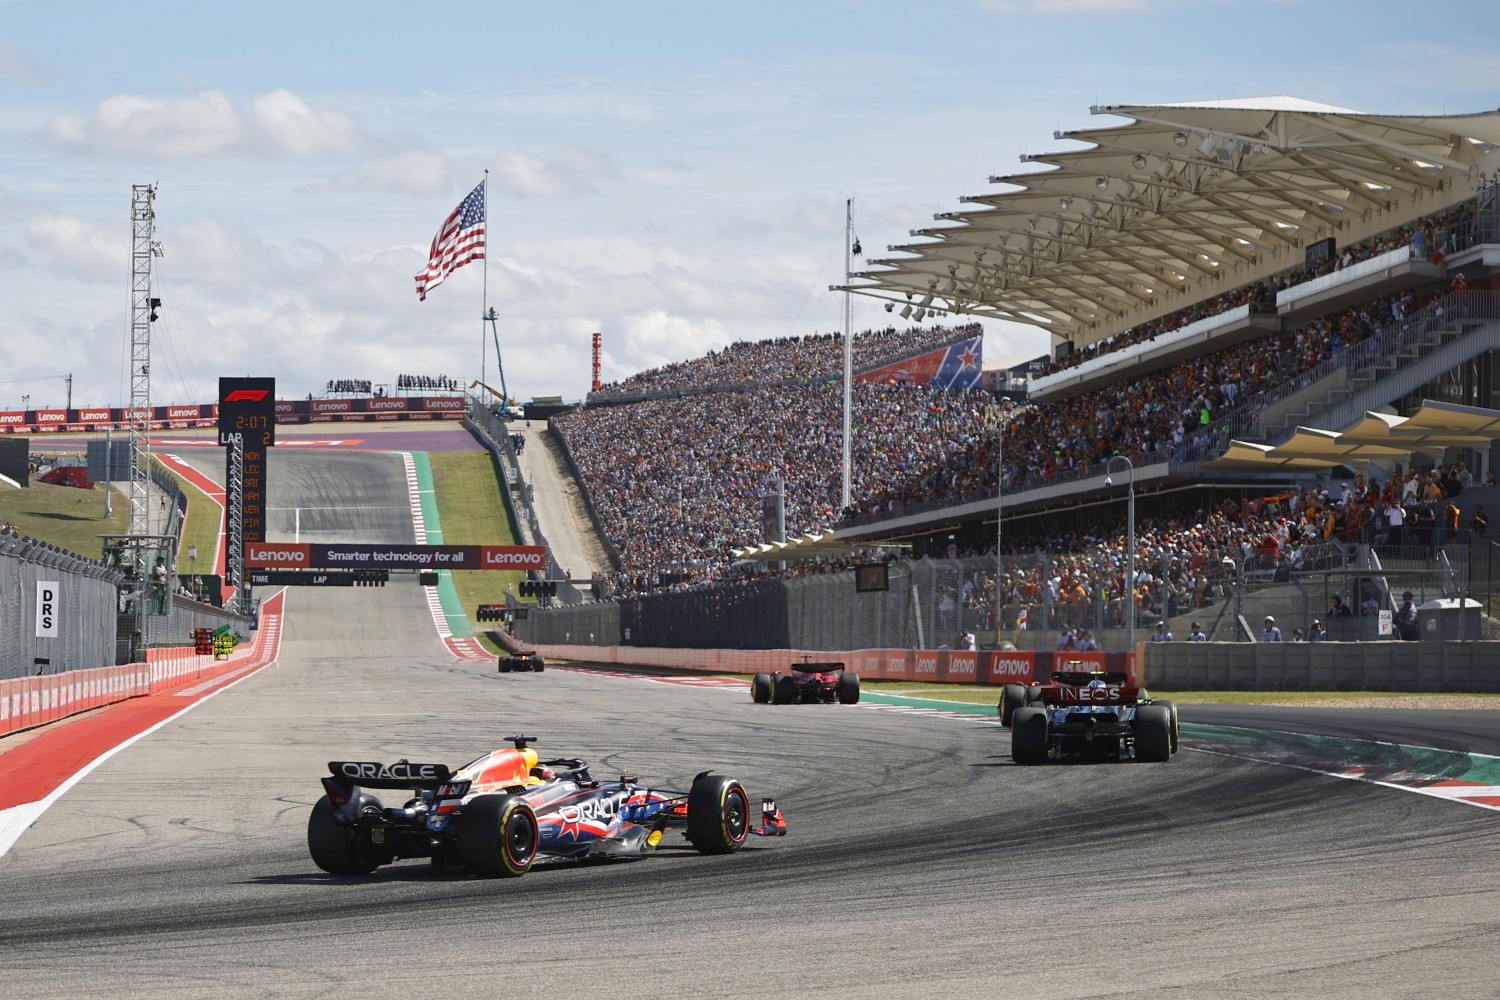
<point x="520" y="838"/>
<point x="736" y="815"/>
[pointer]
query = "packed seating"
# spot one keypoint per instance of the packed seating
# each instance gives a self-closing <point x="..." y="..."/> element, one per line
<point x="1434" y="235"/>
<point x="784" y="359"/>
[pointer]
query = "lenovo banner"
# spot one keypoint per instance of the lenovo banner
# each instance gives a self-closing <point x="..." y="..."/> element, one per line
<point x="51" y="416"/>
<point x="332" y="406"/>
<point x="288" y="555"/>
<point x="386" y="404"/>
<point x="455" y="404"/>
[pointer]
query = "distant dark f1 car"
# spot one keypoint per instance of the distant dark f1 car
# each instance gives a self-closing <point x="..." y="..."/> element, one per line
<point x="1087" y="714"/>
<point x="500" y="813"/>
<point x="512" y="662"/>
<point x="806" y="682"/>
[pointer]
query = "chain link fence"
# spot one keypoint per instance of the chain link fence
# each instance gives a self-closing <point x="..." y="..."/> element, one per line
<point x="84" y="609"/>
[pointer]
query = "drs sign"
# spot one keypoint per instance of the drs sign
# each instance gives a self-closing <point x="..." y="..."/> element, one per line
<point x="46" y="610"/>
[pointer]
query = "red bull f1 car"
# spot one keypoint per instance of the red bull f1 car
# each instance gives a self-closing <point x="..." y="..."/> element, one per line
<point x="1087" y="715"/>
<point x="810" y="683"/>
<point x="522" y="661"/>
<point x="506" y="810"/>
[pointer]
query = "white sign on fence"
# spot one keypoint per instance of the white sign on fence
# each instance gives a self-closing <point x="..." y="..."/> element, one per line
<point x="46" y="609"/>
<point x="1385" y="624"/>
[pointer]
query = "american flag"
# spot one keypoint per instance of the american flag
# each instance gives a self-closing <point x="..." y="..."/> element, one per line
<point x="460" y="240"/>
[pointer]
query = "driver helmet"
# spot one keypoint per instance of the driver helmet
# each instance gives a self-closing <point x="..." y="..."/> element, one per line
<point x="1096" y="683"/>
<point x="543" y="773"/>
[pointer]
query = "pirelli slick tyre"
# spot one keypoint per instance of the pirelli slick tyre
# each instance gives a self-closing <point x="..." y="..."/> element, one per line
<point x="1171" y="706"/>
<point x="1033" y="693"/>
<point x="718" y="818"/>
<point x="761" y="689"/>
<point x="537" y="664"/>
<point x="1028" y="735"/>
<point x="498" y="835"/>
<point x="785" y="691"/>
<point x="338" y="849"/>
<point x="848" y="689"/>
<point x="1012" y="697"/>
<point x="1153" y="734"/>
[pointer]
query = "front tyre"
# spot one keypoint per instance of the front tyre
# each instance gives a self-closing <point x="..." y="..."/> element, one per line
<point x="848" y="689"/>
<point x="336" y="848"/>
<point x="498" y="835"/>
<point x="1012" y="697"/>
<point x="718" y="817"/>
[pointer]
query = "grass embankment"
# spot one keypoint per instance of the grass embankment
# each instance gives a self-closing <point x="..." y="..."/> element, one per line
<point x="986" y="695"/>
<point x="65" y="516"/>
<point x="472" y="512"/>
<point x="200" y="527"/>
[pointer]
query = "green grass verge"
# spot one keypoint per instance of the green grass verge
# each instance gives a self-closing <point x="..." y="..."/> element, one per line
<point x="200" y="528"/>
<point x="64" y="516"/>
<point x="984" y="694"/>
<point x="472" y="512"/>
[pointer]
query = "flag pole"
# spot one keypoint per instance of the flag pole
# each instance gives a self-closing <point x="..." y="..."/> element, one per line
<point x="484" y="311"/>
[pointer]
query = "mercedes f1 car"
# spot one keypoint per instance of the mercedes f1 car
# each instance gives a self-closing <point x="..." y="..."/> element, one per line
<point x="522" y="661"/>
<point x="806" y="682"/>
<point x="500" y="813"/>
<point x="1087" y="714"/>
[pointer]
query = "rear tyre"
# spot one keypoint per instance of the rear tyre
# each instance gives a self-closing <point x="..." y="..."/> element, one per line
<point x="1033" y="693"/>
<point x="1153" y="734"/>
<point x="498" y="835"/>
<point x="335" y="848"/>
<point x="1171" y="706"/>
<point x="1012" y="697"/>
<point x="718" y="817"/>
<point x="505" y="665"/>
<point x="785" y="692"/>
<point x="760" y="688"/>
<point x="537" y="664"/>
<point x="848" y="689"/>
<point x="1028" y="735"/>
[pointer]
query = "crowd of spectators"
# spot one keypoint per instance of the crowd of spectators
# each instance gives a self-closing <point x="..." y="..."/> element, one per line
<point x="788" y="359"/>
<point x="351" y="385"/>
<point x="677" y="483"/>
<point x="439" y="383"/>
<point x="1429" y="237"/>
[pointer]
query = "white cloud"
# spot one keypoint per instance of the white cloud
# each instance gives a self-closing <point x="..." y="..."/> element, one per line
<point x="78" y="249"/>
<point x="277" y="124"/>
<point x="17" y="65"/>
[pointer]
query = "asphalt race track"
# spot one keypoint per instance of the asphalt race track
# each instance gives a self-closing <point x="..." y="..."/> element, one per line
<point x="919" y="861"/>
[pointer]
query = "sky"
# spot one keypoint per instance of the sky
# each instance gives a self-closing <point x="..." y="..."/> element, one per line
<point x="671" y="175"/>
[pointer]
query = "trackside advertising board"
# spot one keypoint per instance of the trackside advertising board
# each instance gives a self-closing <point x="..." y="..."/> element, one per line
<point x="291" y="555"/>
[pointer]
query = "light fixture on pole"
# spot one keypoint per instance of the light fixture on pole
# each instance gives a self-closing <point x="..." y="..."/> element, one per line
<point x="1129" y="541"/>
<point x="1005" y="405"/>
<point x="193" y="571"/>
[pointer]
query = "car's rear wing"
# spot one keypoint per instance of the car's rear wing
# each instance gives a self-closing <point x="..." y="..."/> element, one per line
<point x="816" y="668"/>
<point x="1075" y="694"/>
<point x="402" y="774"/>
<point x="1084" y="676"/>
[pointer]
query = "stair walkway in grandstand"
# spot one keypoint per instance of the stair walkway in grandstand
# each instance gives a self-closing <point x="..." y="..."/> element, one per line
<point x="558" y="502"/>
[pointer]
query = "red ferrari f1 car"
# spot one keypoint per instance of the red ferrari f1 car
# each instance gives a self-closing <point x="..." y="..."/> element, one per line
<point x="500" y="813"/>
<point x="806" y="682"/>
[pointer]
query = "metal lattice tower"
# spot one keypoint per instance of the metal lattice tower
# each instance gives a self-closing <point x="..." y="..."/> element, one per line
<point x="142" y="249"/>
<point x="234" y="555"/>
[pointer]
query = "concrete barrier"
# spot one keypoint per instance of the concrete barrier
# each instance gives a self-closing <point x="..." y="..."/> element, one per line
<point x="1323" y="666"/>
<point x="942" y="666"/>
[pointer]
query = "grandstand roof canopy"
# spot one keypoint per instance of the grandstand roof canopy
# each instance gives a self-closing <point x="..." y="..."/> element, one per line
<point x="1173" y="194"/>
<point x="1373" y="437"/>
<point x="819" y="545"/>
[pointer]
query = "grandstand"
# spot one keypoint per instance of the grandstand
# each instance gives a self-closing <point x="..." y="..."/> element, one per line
<point x="1212" y="277"/>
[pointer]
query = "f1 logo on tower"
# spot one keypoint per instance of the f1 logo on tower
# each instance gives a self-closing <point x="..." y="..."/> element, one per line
<point x="247" y="396"/>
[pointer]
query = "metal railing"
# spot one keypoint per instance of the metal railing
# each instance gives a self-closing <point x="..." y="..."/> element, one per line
<point x="84" y="614"/>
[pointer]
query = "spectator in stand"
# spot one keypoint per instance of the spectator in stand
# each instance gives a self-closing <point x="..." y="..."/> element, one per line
<point x="1479" y="524"/>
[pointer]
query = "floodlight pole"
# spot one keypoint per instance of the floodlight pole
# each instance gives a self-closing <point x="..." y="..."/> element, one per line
<point x="1129" y="543"/>
<point x="999" y="512"/>
<point x="845" y="497"/>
